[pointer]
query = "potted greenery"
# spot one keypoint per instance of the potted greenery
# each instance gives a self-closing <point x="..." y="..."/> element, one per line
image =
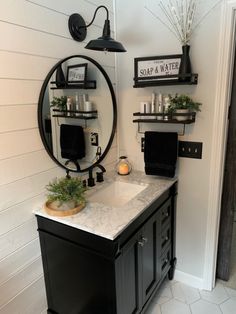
<point x="59" y="102"/>
<point x="183" y="104"/>
<point x="66" y="196"/>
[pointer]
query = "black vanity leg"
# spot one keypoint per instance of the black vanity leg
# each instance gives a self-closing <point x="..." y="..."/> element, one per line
<point x="172" y="269"/>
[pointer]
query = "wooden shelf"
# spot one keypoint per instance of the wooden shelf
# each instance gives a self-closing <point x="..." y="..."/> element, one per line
<point x="167" y="80"/>
<point x="86" y="85"/>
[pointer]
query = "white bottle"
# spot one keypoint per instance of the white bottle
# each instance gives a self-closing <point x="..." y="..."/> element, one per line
<point x="69" y="106"/>
<point x="77" y="106"/>
<point x="160" y="106"/>
<point x="85" y="98"/>
<point x="145" y="107"/>
<point x="153" y="106"/>
<point x="88" y="106"/>
<point x="166" y="107"/>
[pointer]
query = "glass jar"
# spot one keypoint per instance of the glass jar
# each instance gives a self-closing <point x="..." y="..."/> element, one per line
<point x="123" y="167"/>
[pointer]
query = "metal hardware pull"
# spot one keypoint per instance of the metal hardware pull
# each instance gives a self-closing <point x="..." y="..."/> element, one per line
<point x="165" y="262"/>
<point x="142" y="241"/>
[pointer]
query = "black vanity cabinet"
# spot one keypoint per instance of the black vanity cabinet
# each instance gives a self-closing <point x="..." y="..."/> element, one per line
<point x="146" y="258"/>
<point x="89" y="274"/>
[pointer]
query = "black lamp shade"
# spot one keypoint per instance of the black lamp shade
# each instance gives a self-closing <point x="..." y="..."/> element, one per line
<point x="105" y="43"/>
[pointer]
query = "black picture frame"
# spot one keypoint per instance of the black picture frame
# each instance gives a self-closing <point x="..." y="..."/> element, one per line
<point x="77" y="74"/>
<point x="157" y="68"/>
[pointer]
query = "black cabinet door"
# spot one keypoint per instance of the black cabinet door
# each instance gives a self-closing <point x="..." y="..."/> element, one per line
<point x="150" y="256"/>
<point x="141" y="261"/>
<point x="77" y="280"/>
<point x="131" y="273"/>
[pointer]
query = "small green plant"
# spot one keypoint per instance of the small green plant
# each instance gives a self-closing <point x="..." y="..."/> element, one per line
<point x="183" y="102"/>
<point x="66" y="190"/>
<point x="59" y="102"/>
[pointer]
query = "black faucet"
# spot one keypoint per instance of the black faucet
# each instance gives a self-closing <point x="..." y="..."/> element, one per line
<point x="91" y="181"/>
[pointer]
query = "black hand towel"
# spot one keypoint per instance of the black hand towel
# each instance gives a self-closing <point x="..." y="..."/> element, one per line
<point x="160" y="153"/>
<point x="72" y="141"/>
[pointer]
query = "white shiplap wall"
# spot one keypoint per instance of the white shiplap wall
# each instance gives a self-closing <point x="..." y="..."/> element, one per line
<point x="34" y="36"/>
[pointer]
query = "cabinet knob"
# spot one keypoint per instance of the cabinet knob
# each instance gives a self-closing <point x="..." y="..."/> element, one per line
<point x="166" y="214"/>
<point x="144" y="239"/>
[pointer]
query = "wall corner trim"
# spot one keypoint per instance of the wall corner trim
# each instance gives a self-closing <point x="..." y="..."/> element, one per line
<point x="220" y="124"/>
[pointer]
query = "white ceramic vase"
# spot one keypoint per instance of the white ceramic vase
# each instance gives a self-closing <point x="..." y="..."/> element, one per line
<point x="182" y="118"/>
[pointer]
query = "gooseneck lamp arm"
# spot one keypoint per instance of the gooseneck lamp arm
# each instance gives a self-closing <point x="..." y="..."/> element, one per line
<point x="95" y="13"/>
<point x="78" y="30"/>
<point x="106" y="28"/>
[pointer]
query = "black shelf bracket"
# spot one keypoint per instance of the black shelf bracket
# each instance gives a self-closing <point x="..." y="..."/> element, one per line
<point x="187" y="79"/>
<point x="75" y="114"/>
<point x="164" y="118"/>
<point x="89" y="84"/>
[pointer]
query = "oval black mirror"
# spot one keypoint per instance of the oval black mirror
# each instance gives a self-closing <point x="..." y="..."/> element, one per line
<point x="77" y="113"/>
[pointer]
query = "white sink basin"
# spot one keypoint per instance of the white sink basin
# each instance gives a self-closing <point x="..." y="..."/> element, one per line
<point x="117" y="193"/>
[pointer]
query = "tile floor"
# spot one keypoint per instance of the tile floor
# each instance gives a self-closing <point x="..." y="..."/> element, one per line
<point x="177" y="298"/>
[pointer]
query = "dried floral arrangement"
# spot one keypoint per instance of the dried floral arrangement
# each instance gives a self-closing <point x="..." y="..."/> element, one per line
<point x="180" y="16"/>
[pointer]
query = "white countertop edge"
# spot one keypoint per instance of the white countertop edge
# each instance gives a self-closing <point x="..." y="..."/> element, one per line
<point x="109" y="222"/>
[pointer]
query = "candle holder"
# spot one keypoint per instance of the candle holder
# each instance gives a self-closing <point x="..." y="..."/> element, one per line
<point x="123" y="167"/>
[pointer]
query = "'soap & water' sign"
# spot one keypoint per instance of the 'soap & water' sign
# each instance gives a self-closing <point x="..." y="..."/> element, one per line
<point x="161" y="67"/>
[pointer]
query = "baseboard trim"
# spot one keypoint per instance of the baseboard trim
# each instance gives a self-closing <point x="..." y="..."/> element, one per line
<point x="188" y="279"/>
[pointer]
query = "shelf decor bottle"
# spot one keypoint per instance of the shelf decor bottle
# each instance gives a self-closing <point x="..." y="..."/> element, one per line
<point x="69" y="106"/>
<point x="185" y="64"/>
<point x="160" y="108"/>
<point x="77" y="105"/>
<point x="60" y="78"/>
<point x="166" y="108"/>
<point x="123" y="167"/>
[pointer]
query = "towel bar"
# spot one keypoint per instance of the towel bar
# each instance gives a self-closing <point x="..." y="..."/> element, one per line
<point x="58" y="123"/>
<point x="141" y="132"/>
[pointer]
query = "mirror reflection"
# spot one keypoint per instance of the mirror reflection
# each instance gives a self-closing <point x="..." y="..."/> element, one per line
<point x="77" y="113"/>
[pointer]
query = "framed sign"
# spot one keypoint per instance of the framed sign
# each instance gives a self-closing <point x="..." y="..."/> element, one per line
<point x="77" y="73"/>
<point x="156" y="68"/>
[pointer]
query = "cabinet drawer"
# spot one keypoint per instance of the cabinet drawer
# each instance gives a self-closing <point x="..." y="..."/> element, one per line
<point x="165" y="261"/>
<point x="165" y="213"/>
<point x="165" y="238"/>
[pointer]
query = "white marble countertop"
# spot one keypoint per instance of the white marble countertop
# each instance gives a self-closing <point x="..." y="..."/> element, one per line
<point x="110" y="221"/>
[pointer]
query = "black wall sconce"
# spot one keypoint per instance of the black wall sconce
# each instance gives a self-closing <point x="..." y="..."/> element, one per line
<point x="78" y="30"/>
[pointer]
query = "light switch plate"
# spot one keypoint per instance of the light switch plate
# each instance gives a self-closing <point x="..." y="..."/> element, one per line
<point x="94" y="139"/>
<point x="190" y="149"/>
